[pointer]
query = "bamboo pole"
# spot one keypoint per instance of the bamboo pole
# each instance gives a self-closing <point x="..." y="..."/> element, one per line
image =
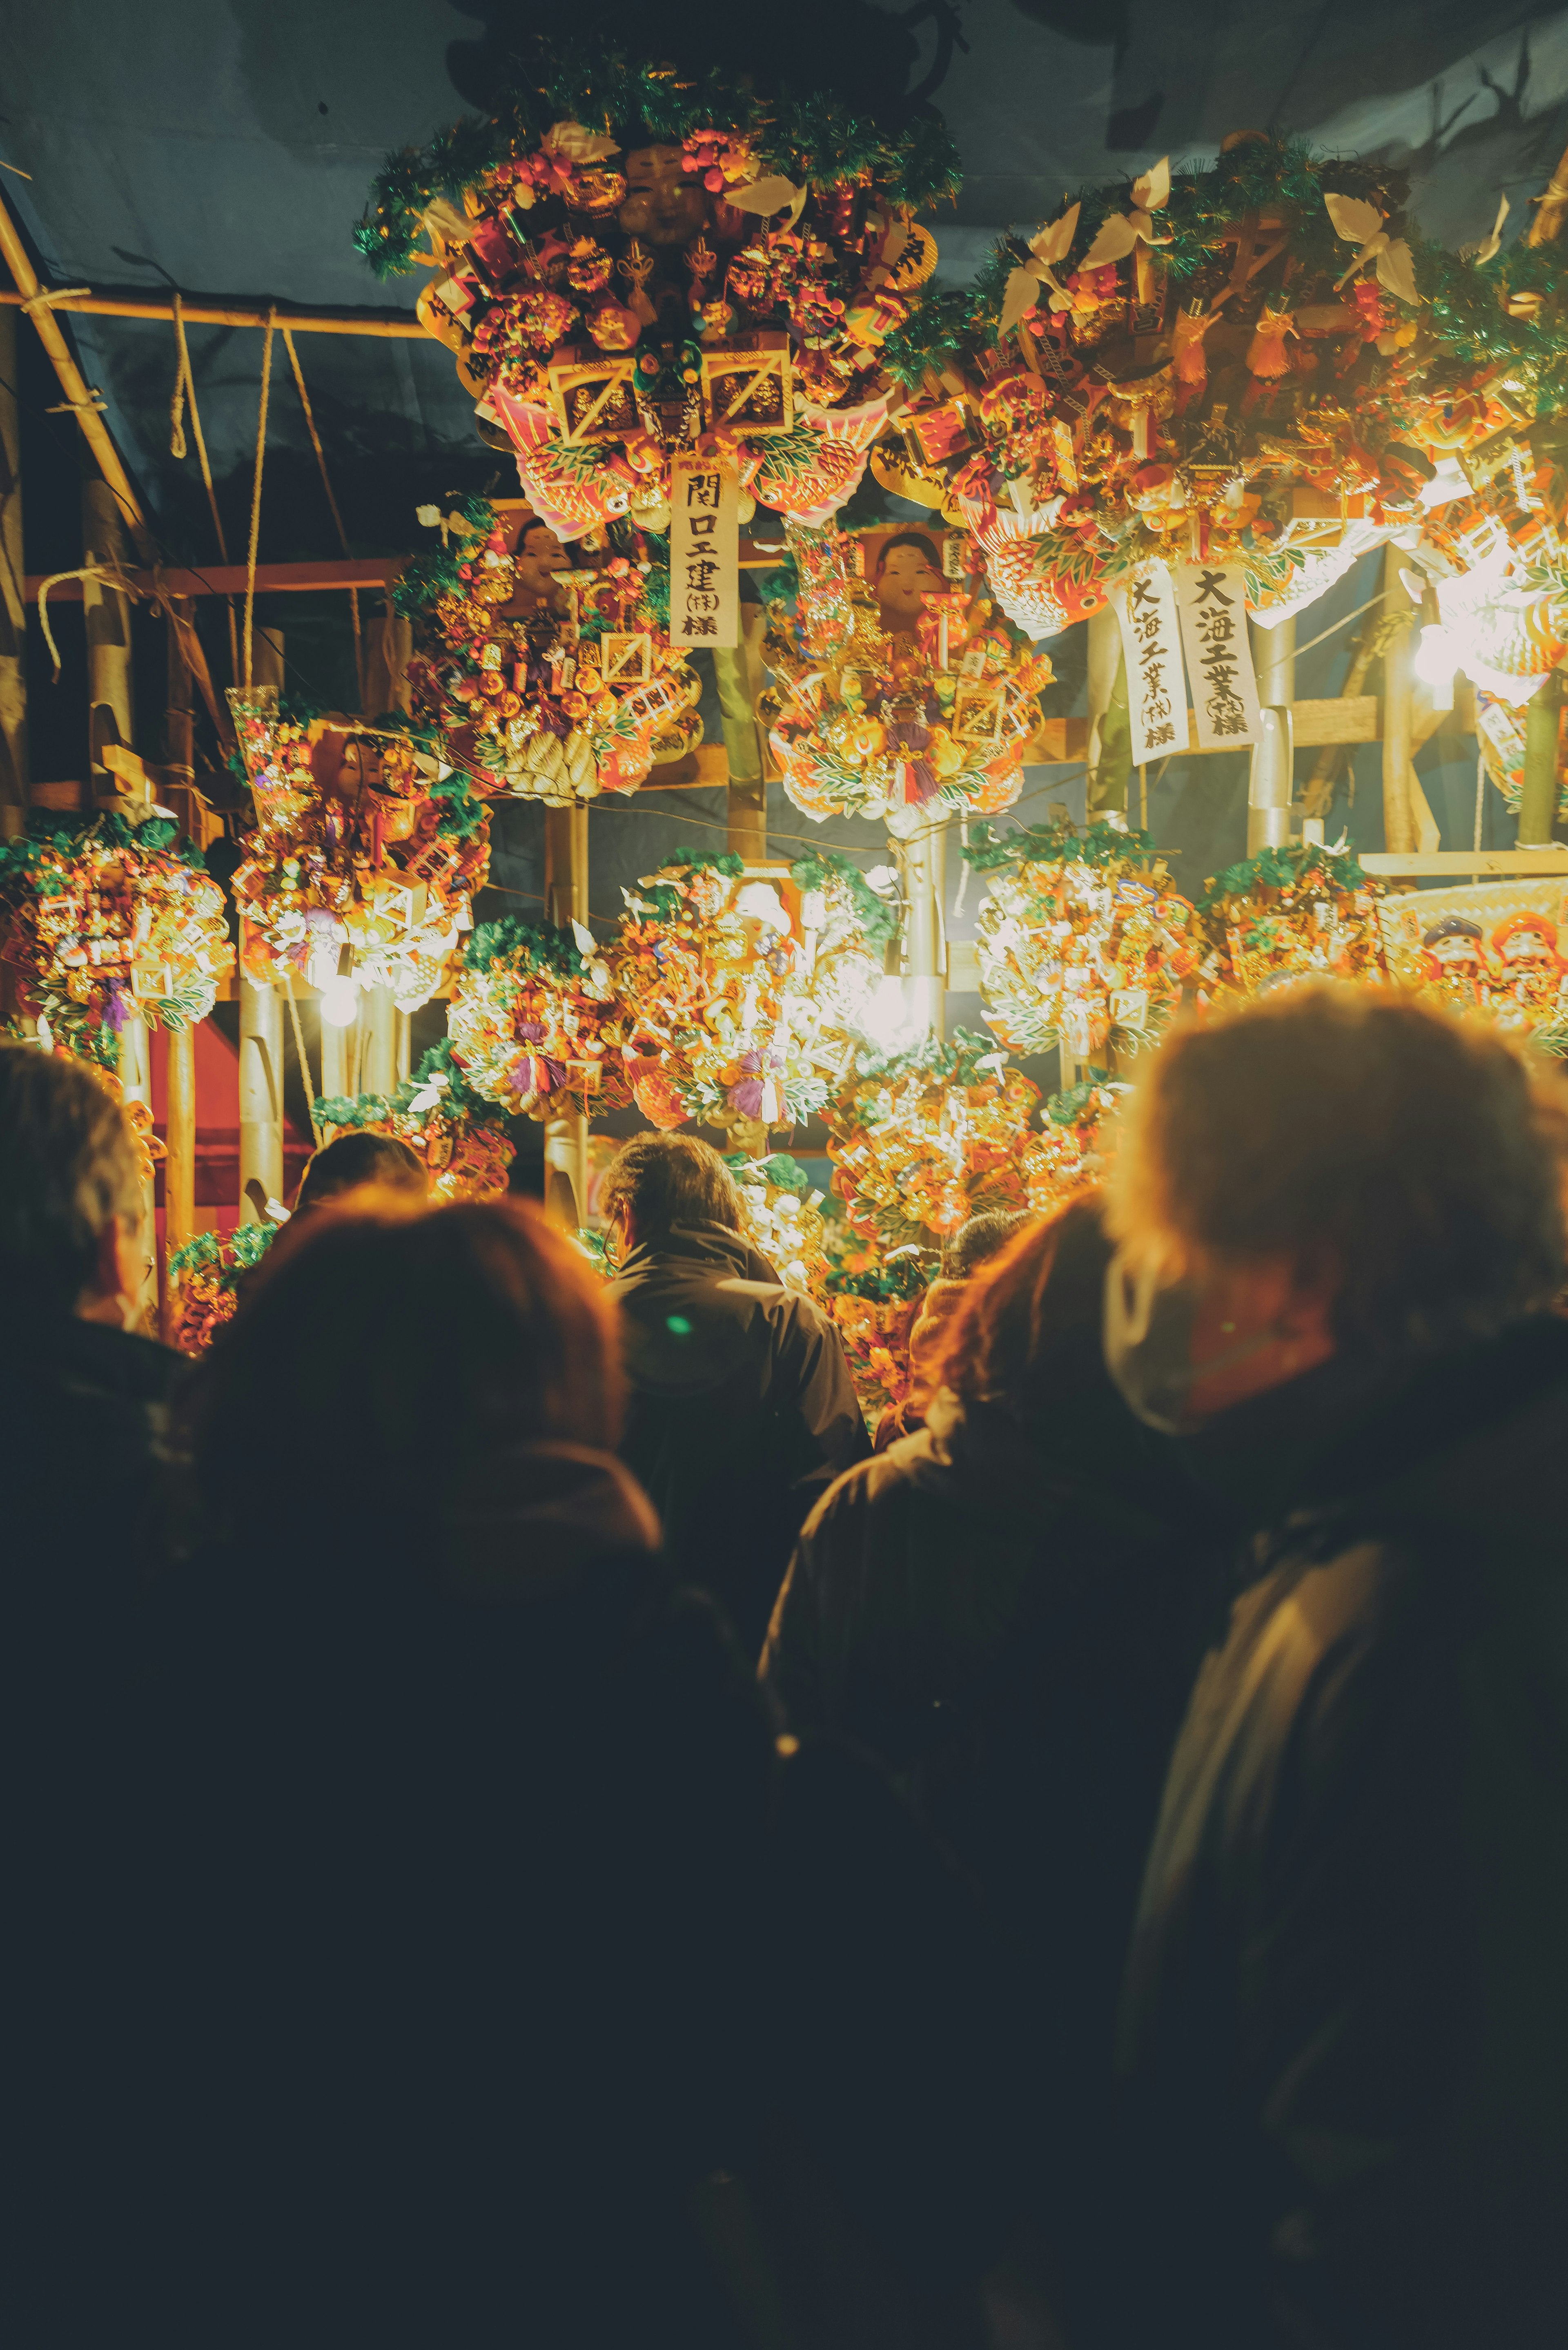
<point x="105" y="614"/>
<point x="1538" y="791"/>
<point x="12" y="607"/>
<point x="261" y="1100"/>
<point x="1399" y="826"/>
<point x="925" y="870"/>
<point x="136" y="1085"/>
<point x="72" y="383"/>
<point x="180" y="1166"/>
<point x="566" y="901"/>
<point x="398" y="326"/>
<point x="1271" y="785"/>
<point x="1550" y="207"/>
<point x="378" y="1041"/>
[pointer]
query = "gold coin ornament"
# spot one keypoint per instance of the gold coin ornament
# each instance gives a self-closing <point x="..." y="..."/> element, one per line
<point x="626" y="264"/>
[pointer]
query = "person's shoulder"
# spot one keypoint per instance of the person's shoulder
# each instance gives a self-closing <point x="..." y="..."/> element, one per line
<point x="96" y="1359"/>
<point x="885" y="1482"/>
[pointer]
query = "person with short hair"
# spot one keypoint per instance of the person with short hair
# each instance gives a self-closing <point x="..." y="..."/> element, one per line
<point x="742" y="1408"/>
<point x="1345" y="2095"/>
<point x="974" y="1243"/>
<point x="362" y="1158"/>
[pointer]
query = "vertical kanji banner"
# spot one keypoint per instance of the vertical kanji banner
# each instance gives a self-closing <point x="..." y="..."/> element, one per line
<point x="704" y="554"/>
<point x="1219" y="655"/>
<point x="1156" y="692"/>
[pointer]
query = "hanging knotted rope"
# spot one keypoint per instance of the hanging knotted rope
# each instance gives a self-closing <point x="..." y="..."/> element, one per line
<point x="108" y="575"/>
<point x="256" y="488"/>
<point x="185" y="389"/>
<point x="327" y="485"/>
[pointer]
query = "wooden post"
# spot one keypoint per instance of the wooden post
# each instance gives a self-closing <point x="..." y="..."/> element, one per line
<point x="1271" y="786"/>
<point x="1538" y="791"/>
<point x="106" y="612"/>
<point x="377" y="1042"/>
<point x="1399" y="826"/>
<point x="261" y="1100"/>
<point x="403" y="1045"/>
<point x="925" y="866"/>
<point x="334" y="1058"/>
<point x="180" y="1166"/>
<point x="13" y="605"/>
<point x="136" y="1085"/>
<point x="1109" y="752"/>
<point x="566" y="901"/>
<point x="740" y="676"/>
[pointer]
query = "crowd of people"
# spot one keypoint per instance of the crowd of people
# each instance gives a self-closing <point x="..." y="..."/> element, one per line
<point x="524" y="1827"/>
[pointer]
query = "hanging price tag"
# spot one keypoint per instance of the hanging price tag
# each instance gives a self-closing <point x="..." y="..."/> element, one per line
<point x="704" y="554"/>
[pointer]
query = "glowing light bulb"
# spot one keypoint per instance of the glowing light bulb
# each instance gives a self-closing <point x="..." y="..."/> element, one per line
<point x="887" y="1017"/>
<point x="1436" y="659"/>
<point x="339" y="1000"/>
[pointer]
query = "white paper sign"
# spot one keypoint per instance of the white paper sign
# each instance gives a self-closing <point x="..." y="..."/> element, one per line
<point x="1157" y="691"/>
<point x="704" y="552"/>
<point x="1219" y="655"/>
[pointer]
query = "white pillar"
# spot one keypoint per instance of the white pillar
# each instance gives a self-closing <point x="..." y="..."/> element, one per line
<point x="1271" y="787"/>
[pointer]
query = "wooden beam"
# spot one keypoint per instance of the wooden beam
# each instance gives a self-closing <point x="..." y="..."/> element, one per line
<point x="72" y="383"/>
<point x="229" y="578"/>
<point x="1461" y="861"/>
<point x="401" y="325"/>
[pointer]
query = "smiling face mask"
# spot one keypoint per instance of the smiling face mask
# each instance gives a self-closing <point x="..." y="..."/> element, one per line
<point x="1147" y="1335"/>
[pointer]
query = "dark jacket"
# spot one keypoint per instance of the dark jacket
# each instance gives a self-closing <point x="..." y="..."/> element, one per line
<point x="429" y="1999"/>
<point x="1011" y="1620"/>
<point x="1345" y="2024"/>
<point x="742" y="1411"/>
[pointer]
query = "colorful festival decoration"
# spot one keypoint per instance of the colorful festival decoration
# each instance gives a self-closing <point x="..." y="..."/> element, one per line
<point x="628" y="266"/>
<point x="205" y="1276"/>
<point x="533" y="1023"/>
<point x="1497" y="949"/>
<point x="459" y="1134"/>
<point x="110" y="922"/>
<point x="874" y="1298"/>
<point x="738" y="987"/>
<point x="1208" y="367"/>
<point x="1075" y="1142"/>
<point x="924" y="1139"/>
<point x="1082" y="943"/>
<point x="780" y="1219"/>
<point x="1290" y="913"/>
<point x="889" y="713"/>
<point x="554" y="693"/>
<point x="365" y="857"/>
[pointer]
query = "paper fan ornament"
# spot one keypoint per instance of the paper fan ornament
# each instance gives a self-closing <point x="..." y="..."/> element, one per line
<point x="459" y="1136"/>
<point x="533" y="1019"/>
<point x="364" y="858"/>
<point x="546" y="677"/>
<point x="1081" y="942"/>
<point x="1291" y="913"/>
<point x="926" y="1138"/>
<point x="626" y="264"/>
<point x="110" y="922"/>
<point x="931" y="717"/>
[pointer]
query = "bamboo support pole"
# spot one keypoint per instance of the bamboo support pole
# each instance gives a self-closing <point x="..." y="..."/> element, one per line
<point x="180" y="1166"/>
<point x="925" y="870"/>
<point x="740" y="676"/>
<point x="106" y="617"/>
<point x="136" y="1085"/>
<point x="1271" y="785"/>
<point x="1538" y="791"/>
<point x="335" y="1059"/>
<point x="566" y="901"/>
<point x="78" y="397"/>
<point x="1400" y="830"/>
<point x="261" y="1100"/>
<point x="398" y="326"/>
<point x="378" y="1041"/>
<point x="13" y="605"/>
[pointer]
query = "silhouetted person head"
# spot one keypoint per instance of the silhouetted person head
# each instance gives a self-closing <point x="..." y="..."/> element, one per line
<point x="352" y="1161"/>
<point x="661" y="1180"/>
<point x="1027" y="1337"/>
<point x="388" y="1355"/>
<point x="979" y="1239"/>
<point x="71" y="1237"/>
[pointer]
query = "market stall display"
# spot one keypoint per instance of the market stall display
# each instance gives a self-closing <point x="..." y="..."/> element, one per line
<point x="780" y="1218"/>
<point x="1075" y="1141"/>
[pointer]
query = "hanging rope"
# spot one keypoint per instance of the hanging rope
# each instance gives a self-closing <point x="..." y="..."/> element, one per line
<point x="107" y="575"/>
<point x="256" y="490"/>
<point x="185" y="389"/>
<point x="327" y="485"/>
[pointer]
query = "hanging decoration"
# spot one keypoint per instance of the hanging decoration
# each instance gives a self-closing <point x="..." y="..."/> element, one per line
<point x="1496" y="948"/>
<point x="555" y="694"/>
<point x="533" y="1021"/>
<point x="459" y="1134"/>
<point x="1075" y="1143"/>
<point x="1082" y="943"/>
<point x="205" y="1276"/>
<point x="873" y="1297"/>
<point x="1198" y="369"/>
<point x="780" y="1218"/>
<point x="894" y="698"/>
<point x="111" y="921"/>
<point x="926" y="1138"/>
<point x="628" y="264"/>
<point x="366" y="853"/>
<point x="1290" y="913"/>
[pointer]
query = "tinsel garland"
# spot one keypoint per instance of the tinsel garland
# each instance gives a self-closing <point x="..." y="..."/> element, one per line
<point x="111" y="921"/>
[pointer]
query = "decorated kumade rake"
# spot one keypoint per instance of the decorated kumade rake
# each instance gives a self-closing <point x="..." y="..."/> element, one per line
<point x="895" y="726"/>
<point x="1499" y="950"/>
<point x="533" y="1023"/>
<point x="1074" y="1143"/>
<point x="780" y="1219"/>
<point x="110" y="922"/>
<point x="926" y="1138"/>
<point x="625" y="264"/>
<point x="205" y="1275"/>
<point x="556" y="699"/>
<point x="365" y="856"/>
<point x="1081" y="942"/>
<point x="460" y="1136"/>
<point x="1291" y="913"/>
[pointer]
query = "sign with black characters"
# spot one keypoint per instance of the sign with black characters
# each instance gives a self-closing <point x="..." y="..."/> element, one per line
<point x="1213" y="602"/>
<point x="1156" y="694"/>
<point x="704" y="552"/>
